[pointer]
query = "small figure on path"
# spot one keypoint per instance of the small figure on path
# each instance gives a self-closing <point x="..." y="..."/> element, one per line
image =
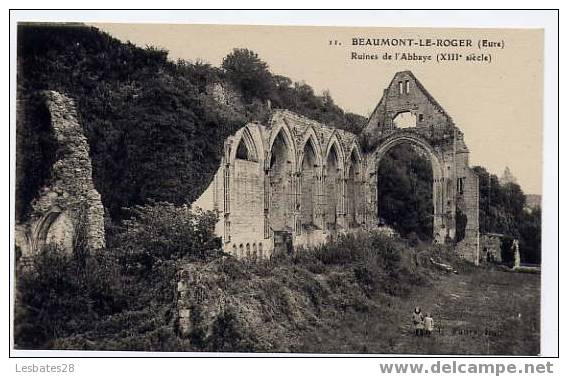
<point x="428" y="324"/>
<point x="418" y="321"/>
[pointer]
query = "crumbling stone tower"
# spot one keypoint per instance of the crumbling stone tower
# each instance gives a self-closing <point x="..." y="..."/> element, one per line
<point x="68" y="199"/>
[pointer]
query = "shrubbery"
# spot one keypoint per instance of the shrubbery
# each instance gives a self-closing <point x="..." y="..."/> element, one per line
<point x="502" y="210"/>
<point x="379" y="262"/>
<point x="58" y="297"/>
<point x="162" y="231"/>
<point x="118" y="298"/>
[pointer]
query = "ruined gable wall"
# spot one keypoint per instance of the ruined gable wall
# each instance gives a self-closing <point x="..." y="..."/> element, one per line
<point x="69" y="198"/>
<point x="431" y="120"/>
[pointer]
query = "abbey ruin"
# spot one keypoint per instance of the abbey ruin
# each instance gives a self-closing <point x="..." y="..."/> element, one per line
<point x="287" y="183"/>
<point x="294" y="181"/>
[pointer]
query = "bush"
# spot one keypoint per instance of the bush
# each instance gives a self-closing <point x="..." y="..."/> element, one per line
<point x="119" y="298"/>
<point x="61" y="296"/>
<point x="228" y="335"/>
<point x="161" y="231"/>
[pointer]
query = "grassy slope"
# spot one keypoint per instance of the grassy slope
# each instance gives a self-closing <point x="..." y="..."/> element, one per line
<point x="475" y="313"/>
<point x="354" y="295"/>
<point x="323" y="302"/>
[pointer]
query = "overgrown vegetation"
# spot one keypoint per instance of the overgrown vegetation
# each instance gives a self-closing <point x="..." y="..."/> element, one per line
<point x="36" y="147"/>
<point x="154" y="129"/>
<point x="123" y="297"/>
<point x="354" y="294"/>
<point x="502" y="210"/>
<point x="118" y="298"/>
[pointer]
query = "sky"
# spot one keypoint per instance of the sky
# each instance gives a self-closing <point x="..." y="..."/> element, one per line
<point x="498" y="105"/>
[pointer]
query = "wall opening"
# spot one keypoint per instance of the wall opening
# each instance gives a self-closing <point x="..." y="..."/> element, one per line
<point x="281" y="190"/>
<point x="405" y="191"/>
<point x="309" y="186"/>
<point x="246" y="149"/>
<point x="243" y="152"/>
<point x="405" y="119"/>
<point x="332" y="187"/>
<point x="461" y="224"/>
<point x="354" y="194"/>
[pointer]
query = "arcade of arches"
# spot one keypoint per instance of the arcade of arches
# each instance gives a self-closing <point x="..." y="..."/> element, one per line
<point x="294" y="181"/>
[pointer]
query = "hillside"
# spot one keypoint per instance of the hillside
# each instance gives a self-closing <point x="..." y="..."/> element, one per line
<point x="353" y="295"/>
<point x="154" y="126"/>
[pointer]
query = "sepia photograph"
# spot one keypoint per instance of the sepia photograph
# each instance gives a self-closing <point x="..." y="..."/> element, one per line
<point x="250" y="189"/>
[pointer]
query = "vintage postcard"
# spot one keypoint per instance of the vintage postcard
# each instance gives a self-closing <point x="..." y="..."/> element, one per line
<point x="278" y="189"/>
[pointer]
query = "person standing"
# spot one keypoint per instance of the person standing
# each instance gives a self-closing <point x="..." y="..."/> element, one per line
<point x="418" y="321"/>
<point x="428" y="324"/>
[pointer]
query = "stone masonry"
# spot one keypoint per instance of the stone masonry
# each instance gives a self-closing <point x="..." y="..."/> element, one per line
<point x="69" y="199"/>
<point x="294" y="180"/>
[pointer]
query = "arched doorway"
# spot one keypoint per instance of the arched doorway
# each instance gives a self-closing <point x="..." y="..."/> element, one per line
<point x="404" y="186"/>
<point x="439" y="227"/>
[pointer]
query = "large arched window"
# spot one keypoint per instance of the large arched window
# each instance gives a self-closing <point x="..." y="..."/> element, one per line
<point x="246" y="149"/>
<point x="281" y="171"/>
<point x="333" y="187"/>
<point x="308" y="204"/>
<point x="353" y="194"/>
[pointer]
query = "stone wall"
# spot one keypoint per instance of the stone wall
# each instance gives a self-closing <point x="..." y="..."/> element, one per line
<point x="406" y="94"/>
<point x="490" y="248"/>
<point x="198" y="303"/>
<point x="68" y="202"/>
<point x="299" y="172"/>
<point x="467" y="197"/>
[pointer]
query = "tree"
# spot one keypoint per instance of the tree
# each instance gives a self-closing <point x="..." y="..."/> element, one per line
<point x="153" y="132"/>
<point x="502" y="210"/>
<point x="507" y="177"/>
<point x="245" y="70"/>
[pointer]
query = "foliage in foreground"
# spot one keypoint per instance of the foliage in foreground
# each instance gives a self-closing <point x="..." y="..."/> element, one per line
<point x="305" y="302"/>
<point x="118" y="298"/>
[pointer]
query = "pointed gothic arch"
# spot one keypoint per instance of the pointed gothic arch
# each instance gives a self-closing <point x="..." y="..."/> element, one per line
<point x="281" y="170"/>
<point x="284" y="132"/>
<point x="310" y="177"/>
<point x="354" y="190"/>
<point x="246" y="147"/>
<point x="334" y="184"/>
<point x="334" y="142"/>
<point x="310" y="136"/>
<point x="438" y="173"/>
